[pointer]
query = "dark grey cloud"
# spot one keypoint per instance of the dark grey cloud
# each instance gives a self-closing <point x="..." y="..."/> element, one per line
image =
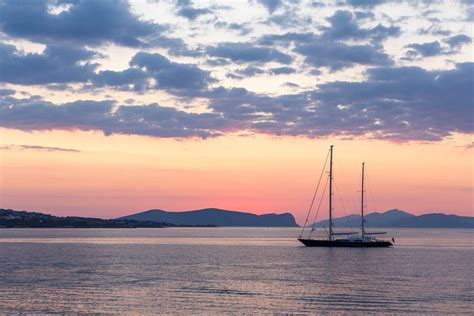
<point x="292" y="85"/>
<point x="345" y="26"/>
<point x="246" y="52"/>
<point x="234" y="76"/>
<point x="406" y="103"/>
<point x="241" y="28"/>
<point x="322" y="51"/>
<point x="457" y="41"/>
<point x="4" y="91"/>
<point x="151" y="120"/>
<point x="282" y="70"/>
<point x="365" y="3"/>
<point x="87" y="22"/>
<point x="172" y="75"/>
<point x="250" y="71"/>
<point x="246" y="72"/>
<point x="187" y="9"/>
<point x="362" y="15"/>
<point x="337" y="55"/>
<point x="39" y="148"/>
<point x="425" y="49"/>
<point x="400" y="104"/>
<point x="454" y="43"/>
<point x="289" y="17"/>
<point x="129" y="79"/>
<point x="434" y="29"/>
<point x="271" y="5"/>
<point x="56" y="64"/>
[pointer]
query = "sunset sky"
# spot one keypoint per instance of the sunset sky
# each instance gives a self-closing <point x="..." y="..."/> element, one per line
<point x="109" y="108"/>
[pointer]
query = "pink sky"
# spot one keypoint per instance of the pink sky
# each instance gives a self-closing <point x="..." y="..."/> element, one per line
<point x="117" y="175"/>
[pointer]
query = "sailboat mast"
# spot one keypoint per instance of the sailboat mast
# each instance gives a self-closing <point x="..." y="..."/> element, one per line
<point x="362" y="202"/>
<point x="330" y="194"/>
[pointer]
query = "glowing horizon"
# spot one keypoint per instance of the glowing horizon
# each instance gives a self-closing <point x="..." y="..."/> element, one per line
<point x="258" y="174"/>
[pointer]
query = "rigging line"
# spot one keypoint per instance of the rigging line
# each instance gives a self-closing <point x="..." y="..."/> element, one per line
<point x="342" y="204"/>
<point x="314" y="195"/>
<point x="371" y="194"/>
<point x="319" y="207"/>
<point x="343" y="173"/>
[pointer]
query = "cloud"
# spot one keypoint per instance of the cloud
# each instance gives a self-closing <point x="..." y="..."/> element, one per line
<point x="246" y="52"/>
<point x="271" y="5"/>
<point x="322" y="51"/>
<point x="187" y="10"/>
<point x="337" y="55"/>
<point x="150" y="120"/>
<point x="4" y="91"/>
<point x="457" y="41"/>
<point x="406" y="103"/>
<point x="362" y="15"/>
<point x="171" y="75"/>
<point x="129" y="79"/>
<point x="399" y="104"/>
<point x="250" y="71"/>
<point x="282" y="70"/>
<point x="395" y="103"/>
<point x="56" y="64"/>
<point x="425" y="49"/>
<point x="39" y="148"/>
<point x="435" y="49"/>
<point x="291" y="85"/>
<point x="86" y="22"/>
<point x="344" y="26"/>
<point x="241" y="28"/>
<point x="365" y="3"/>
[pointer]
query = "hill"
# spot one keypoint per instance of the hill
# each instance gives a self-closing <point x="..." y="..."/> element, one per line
<point x="22" y="219"/>
<point x="218" y="217"/>
<point x="401" y="219"/>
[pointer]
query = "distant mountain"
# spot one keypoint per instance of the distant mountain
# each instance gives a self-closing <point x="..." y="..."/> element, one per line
<point x="218" y="217"/>
<point x="21" y="219"/>
<point x="398" y="218"/>
<point x="437" y="220"/>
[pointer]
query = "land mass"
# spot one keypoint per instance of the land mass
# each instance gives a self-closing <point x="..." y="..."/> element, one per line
<point x="401" y="219"/>
<point x="216" y="217"/>
<point x="22" y="219"/>
<point x="212" y="217"/>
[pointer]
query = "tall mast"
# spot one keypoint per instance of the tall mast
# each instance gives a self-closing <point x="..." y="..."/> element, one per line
<point x="330" y="194"/>
<point x="362" y="202"/>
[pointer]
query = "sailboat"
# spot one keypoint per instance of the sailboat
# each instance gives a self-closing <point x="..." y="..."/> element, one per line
<point x="365" y="239"/>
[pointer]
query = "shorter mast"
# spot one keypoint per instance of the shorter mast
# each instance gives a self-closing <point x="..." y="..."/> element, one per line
<point x="330" y="194"/>
<point x="362" y="202"/>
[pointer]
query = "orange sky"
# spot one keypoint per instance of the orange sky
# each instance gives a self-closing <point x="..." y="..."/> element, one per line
<point x="117" y="175"/>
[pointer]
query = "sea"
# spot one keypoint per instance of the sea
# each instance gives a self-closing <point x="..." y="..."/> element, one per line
<point x="231" y="271"/>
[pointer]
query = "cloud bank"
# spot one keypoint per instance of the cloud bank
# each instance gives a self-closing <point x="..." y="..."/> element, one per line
<point x="344" y="76"/>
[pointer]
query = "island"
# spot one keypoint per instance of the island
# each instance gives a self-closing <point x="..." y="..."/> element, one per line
<point x="215" y="216"/>
<point x="22" y="219"/>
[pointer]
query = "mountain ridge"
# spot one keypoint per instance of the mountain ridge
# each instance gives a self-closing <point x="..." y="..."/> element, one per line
<point x="218" y="217"/>
<point x="400" y="219"/>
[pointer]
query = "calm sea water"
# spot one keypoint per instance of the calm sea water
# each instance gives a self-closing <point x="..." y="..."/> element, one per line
<point x="231" y="270"/>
